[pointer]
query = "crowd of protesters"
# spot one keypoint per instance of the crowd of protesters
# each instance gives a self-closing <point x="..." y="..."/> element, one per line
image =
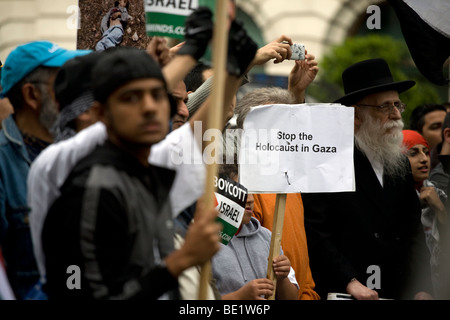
<point x="88" y="186"/>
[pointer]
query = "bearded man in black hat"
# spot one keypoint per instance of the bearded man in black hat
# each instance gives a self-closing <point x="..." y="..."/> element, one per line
<point x="369" y="243"/>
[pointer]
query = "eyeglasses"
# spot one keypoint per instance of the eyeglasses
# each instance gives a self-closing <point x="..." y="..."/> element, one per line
<point x="387" y="107"/>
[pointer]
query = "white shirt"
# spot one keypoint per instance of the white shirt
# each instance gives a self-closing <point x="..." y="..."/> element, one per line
<point x="178" y="151"/>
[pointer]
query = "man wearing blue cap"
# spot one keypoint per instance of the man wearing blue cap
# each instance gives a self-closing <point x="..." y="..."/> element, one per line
<point x="27" y="80"/>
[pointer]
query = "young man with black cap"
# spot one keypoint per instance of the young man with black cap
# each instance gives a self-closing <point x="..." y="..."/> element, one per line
<point x="113" y="218"/>
<point x="52" y="167"/>
<point x="124" y="245"/>
<point x="369" y="243"/>
<point x="27" y="80"/>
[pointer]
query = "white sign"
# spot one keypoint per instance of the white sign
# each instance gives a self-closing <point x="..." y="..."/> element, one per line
<point x="298" y="148"/>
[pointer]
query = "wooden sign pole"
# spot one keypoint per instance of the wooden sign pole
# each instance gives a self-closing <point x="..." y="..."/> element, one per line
<point x="275" y="241"/>
<point x="219" y="59"/>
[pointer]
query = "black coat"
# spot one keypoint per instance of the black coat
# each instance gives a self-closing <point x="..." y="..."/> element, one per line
<point x="348" y="232"/>
<point x="444" y="234"/>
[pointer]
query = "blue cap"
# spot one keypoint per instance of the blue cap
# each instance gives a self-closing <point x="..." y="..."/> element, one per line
<point x="25" y="58"/>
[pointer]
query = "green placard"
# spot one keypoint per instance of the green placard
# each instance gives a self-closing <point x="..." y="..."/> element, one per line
<point x="231" y="198"/>
<point x="166" y="18"/>
<point x="165" y="25"/>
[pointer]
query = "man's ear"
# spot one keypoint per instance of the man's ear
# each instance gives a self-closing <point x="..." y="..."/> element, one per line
<point x="358" y="120"/>
<point x="447" y="135"/>
<point x="31" y="96"/>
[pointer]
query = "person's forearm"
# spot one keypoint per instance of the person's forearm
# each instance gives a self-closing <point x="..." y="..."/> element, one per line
<point x="177" y="262"/>
<point x="299" y="95"/>
<point x="286" y="290"/>
<point x="177" y="69"/>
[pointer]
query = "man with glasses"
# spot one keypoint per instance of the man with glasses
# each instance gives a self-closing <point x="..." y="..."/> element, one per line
<point x="369" y="243"/>
<point x="27" y="80"/>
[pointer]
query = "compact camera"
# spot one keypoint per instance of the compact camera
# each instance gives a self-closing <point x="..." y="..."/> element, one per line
<point x="298" y="51"/>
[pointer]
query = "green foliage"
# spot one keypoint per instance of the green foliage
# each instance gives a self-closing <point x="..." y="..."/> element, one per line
<point x="329" y="85"/>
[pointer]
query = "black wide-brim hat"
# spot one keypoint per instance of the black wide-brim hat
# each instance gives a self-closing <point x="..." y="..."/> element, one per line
<point x="367" y="77"/>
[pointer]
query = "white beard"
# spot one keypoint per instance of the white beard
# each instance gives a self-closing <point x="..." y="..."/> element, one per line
<point x="387" y="147"/>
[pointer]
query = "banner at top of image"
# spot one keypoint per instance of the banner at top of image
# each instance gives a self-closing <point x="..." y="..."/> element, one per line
<point x="165" y="18"/>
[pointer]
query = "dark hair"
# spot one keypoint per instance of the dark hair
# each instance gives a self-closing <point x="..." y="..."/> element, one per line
<point x="229" y="170"/>
<point x="194" y="79"/>
<point x="417" y="118"/>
